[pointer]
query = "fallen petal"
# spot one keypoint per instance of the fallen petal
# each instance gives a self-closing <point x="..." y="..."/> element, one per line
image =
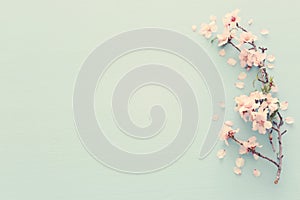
<point x="221" y="153"/>
<point x="222" y="52"/>
<point x="264" y="32"/>
<point x="271" y="58"/>
<point x="270" y="66"/>
<point x="256" y="172"/>
<point x="284" y="105"/>
<point x="242" y="76"/>
<point x="289" y="120"/>
<point x="240" y="85"/>
<point x="231" y="61"/>
<point x="194" y="28"/>
<point x="229" y="123"/>
<point x="237" y="170"/>
<point x="239" y="162"/>
<point x="250" y="22"/>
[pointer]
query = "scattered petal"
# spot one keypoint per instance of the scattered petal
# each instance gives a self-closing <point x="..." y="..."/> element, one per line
<point x="250" y="22"/>
<point x="240" y="85"/>
<point x="221" y="153"/>
<point x="270" y="66"/>
<point x="237" y="170"/>
<point x="289" y="120"/>
<point x="222" y="52"/>
<point x="229" y="123"/>
<point x="284" y="105"/>
<point x="194" y="28"/>
<point x="255" y="156"/>
<point x="256" y="172"/>
<point x="239" y="162"/>
<point x="215" y="117"/>
<point x="264" y="32"/>
<point x="271" y="58"/>
<point x="242" y="76"/>
<point x="222" y="104"/>
<point x="231" y="61"/>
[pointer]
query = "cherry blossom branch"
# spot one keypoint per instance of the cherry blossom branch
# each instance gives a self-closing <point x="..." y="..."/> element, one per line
<point x="253" y="151"/>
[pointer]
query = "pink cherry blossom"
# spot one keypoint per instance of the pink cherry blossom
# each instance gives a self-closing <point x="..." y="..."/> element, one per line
<point x="226" y="132"/>
<point x="270" y="66"/>
<point x="221" y="153"/>
<point x="260" y="122"/>
<point x="207" y="29"/>
<point x="250" y="143"/>
<point x="231" y="19"/>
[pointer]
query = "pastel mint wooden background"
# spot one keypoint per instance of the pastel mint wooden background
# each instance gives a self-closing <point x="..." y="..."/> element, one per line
<point x="42" y="46"/>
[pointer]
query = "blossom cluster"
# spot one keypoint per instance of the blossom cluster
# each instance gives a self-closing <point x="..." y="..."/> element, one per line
<point x="261" y="107"/>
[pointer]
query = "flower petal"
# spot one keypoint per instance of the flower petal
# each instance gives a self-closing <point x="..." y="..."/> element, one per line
<point x="229" y="123"/>
<point x="231" y="61"/>
<point x="237" y="170"/>
<point x="221" y="153"/>
<point x="270" y="66"/>
<point x="264" y="32"/>
<point x="239" y="162"/>
<point x="271" y="58"/>
<point x="222" y="52"/>
<point x="250" y="22"/>
<point x="255" y="156"/>
<point x="194" y="28"/>
<point x="242" y="76"/>
<point x="289" y="120"/>
<point x="256" y="172"/>
<point x="240" y="85"/>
